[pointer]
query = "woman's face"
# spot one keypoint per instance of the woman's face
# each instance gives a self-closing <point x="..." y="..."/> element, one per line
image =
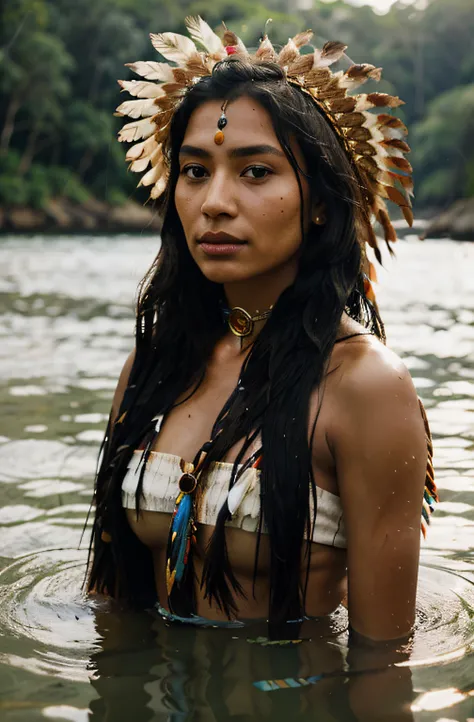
<point x="245" y="188"/>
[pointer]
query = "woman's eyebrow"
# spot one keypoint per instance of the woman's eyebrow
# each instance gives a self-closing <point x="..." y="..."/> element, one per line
<point x="241" y="152"/>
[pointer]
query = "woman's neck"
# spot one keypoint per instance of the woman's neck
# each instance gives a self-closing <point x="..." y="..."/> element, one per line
<point x="257" y="295"/>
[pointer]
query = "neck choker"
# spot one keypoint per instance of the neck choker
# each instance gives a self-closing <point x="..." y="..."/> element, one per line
<point x="240" y="322"/>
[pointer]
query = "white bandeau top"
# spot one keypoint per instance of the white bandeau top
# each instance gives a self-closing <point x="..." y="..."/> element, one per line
<point x="160" y="489"/>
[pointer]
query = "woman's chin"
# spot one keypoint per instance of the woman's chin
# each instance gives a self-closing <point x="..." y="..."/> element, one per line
<point x="220" y="272"/>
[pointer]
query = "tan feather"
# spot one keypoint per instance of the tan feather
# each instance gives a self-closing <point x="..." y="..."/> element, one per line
<point x="364" y="148"/>
<point x="138" y="166"/>
<point x="369" y="165"/>
<point x="174" y="89"/>
<point x="159" y="186"/>
<point x="197" y="65"/>
<point x="360" y="134"/>
<point x="233" y="40"/>
<point x="141" y="89"/>
<point x="398" y="163"/>
<point x="229" y="38"/>
<point x="201" y="33"/>
<point x="408" y="215"/>
<point x="317" y="78"/>
<point x="302" y="65"/>
<point x="137" y="108"/>
<point x="153" y="175"/>
<point x="394" y="195"/>
<point x="343" y="105"/>
<point x="331" y="92"/>
<point x="152" y="71"/>
<point x="139" y="150"/>
<point x="303" y="38"/>
<point x="351" y="120"/>
<point x="288" y="54"/>
<point x="265" y="50"/>
<point x="136" y="131"/>
<point x="166" y="103"/>
<point x="331" y="52"/>
<point x="174" y="47"/>
<point x="389" y="231"/>
<point x="182" y="76"/>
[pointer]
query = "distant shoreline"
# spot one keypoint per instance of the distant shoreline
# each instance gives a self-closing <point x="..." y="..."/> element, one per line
<point x="62" y="216"/>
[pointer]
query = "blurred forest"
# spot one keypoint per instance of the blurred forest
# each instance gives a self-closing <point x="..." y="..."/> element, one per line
<point x="60" y="60"/>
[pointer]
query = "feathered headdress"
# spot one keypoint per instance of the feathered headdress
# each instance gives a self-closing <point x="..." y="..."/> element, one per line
<point x="375" y="143"/>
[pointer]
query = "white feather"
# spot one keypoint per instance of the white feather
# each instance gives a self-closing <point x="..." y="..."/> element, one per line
<point x="137" y="130"/>
<point x="201" y="33"/>
<point x="152" y="70"/>
<point x="142" y="89"/>
<point x="137" y="108"/>
<point x="174" y="47"/>
<point x="141" y="150"/>
<point x="159" y="186"/>
<point x="138" y="166"/>
<point x="240" y="489"/>
<point x="155" y="157"/>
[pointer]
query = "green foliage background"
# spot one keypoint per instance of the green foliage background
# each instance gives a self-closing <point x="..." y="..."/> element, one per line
<point x="59" y="61"/>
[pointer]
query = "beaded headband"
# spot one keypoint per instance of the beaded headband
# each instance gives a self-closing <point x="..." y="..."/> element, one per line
<point x="375" y="143"/>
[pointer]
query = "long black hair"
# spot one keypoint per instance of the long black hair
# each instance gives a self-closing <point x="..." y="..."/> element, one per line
<point x="179" y="322"/>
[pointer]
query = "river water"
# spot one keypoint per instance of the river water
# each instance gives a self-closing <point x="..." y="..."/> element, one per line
<point x="66" y="324"/>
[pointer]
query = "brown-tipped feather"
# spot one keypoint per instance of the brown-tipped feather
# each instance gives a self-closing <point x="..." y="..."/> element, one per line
<point x="396" y="143"/>
<point x="383" y="100"/>
<point x="333" y="51"/>
<point x="303" y="38"/>
<point x="230" y="38"/>
<point x="390" y="121"/>
<point x="400" y="163"/>
<point x="360" y="71"/>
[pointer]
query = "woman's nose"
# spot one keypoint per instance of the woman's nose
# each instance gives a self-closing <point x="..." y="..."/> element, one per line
<point x="219" y="197"/>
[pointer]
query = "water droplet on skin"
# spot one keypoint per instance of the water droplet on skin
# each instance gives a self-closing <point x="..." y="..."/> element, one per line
<point x="241" y="388"/>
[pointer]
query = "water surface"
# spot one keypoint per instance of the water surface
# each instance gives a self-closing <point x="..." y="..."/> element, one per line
<point x="66" y="326"/>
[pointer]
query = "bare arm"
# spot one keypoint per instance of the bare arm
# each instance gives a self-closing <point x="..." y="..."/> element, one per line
<point x="380" y="449"/>
<point x="121" y="386"/>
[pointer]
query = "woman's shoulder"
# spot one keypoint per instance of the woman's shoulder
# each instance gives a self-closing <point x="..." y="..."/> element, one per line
<point x="372" y="391"/>
<point x="122" y="384"/>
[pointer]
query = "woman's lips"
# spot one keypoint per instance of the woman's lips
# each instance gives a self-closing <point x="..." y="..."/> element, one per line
<point x="220" y="249"/>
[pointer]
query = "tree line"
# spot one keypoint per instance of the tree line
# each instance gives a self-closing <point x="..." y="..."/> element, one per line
<point x="59" y="62"/>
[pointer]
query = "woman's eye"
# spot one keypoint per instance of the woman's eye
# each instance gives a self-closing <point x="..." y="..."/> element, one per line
<point x="194" y="172"/>
<point x="259" y="172"/>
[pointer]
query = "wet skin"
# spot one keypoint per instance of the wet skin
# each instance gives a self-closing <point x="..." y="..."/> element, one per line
<point x="369" y="446"/>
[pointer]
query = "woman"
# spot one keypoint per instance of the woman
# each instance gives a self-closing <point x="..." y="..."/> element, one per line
<point x="265" y="454"/>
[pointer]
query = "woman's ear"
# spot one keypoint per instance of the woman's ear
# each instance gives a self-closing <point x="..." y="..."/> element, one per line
<point x="318" y="215"/>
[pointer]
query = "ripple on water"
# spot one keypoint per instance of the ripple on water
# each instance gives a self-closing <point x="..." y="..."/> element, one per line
<point x="42" y="605"/>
